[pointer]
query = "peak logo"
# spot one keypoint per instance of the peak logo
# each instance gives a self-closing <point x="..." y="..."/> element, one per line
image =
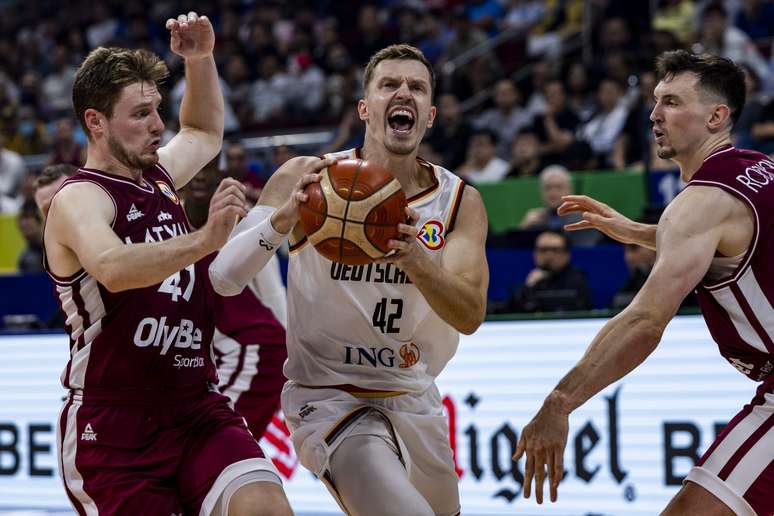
<point x="431" y="235"/>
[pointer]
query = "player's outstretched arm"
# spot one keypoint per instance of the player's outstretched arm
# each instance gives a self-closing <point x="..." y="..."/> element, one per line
<point x="688" y="235"/>
<point x="201" y="112"/>
<point x="457" y="289"/>
<point x="600" y="216"/>
<point x="79" y="226"/>
<point x="257" y="237"/>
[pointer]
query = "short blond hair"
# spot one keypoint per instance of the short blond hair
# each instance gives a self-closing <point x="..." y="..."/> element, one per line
<point x="400" y="51"/>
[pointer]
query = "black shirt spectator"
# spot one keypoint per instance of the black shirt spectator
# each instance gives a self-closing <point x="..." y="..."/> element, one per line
<point x="554" y="285"/>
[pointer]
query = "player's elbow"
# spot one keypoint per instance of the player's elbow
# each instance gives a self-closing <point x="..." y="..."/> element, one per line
<point x="222" y="284"/>
<point x="470" y="323"/>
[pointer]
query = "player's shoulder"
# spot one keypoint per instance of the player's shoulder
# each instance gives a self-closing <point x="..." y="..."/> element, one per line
<point x="77" y="195"/>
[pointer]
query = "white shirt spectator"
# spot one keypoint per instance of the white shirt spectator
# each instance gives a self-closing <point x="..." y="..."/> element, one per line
<point x="12" y="172"/>
<point x="495" y="170"/>
<point x="230" y="122"/>
<point x="602" y="130"/>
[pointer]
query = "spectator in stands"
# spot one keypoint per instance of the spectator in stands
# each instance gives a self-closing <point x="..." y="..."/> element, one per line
<point x="451" y="132"/>
<point x="677" y="17"/>
<point x="554" y="285"/>
<point x="473" y="76"/>
<point x="267" y="93"/>
<point x="601" y="132"/>
<point x="506" y="118"/>
<point x="762" y="131"/>
<point x="755" y="19"/>
<point x="555" y="182"/>
<point x="30" y="226"/>
<point x="434" y="40"/>
<point x="349" y="134"/>
<point x="57" y="86"/>
<point x="522" y="15"/>
<point x="751" y="112"/>
<point x="632" y="147"/>
<point x="240" y="168"/>
<point x="639" y="261"/>
<point x="525" y="155"/>
<point x="64" y="147"/>
<point x="579" y="95"/>
<point x="485" y="14"/>
<point x="25" y="134"/>
<point x="718" y="37"/>
<point x="12" y="173"/>
<point x="482" y="165"/>
<point x="555" y="128"/>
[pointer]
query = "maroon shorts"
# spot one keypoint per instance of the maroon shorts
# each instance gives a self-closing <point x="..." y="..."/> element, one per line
<point x="251" y="376"/>
<point x="132" y="456"/>
<point x="738" y="468"/>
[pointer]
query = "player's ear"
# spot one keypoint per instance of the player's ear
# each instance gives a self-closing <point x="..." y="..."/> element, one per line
<point x="719" y="116"/>
<point x="95" y="121"/>
<point x="362" y="110"/>
<point x="431" y="116"/>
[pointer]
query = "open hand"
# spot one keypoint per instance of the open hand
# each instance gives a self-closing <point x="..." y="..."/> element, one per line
<point x="543" y="440"/>
<point x="597" y="215"/>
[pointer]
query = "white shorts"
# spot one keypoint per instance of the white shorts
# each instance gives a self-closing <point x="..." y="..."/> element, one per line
<point x="320" y="419"/>
<point x="739" y="466"/>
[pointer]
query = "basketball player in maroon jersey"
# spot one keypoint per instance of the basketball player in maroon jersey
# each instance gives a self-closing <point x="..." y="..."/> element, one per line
<point x="717" y="234"/>
<point x="143" y="429"/>
<point x="249" y="340"/>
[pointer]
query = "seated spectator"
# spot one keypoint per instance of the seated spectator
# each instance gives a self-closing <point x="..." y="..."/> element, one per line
<point x="677" y="17"/>
<point x="762" y="130"/>
<point x="632" y="147"/>
<point x="482" y="165"/>
<point x="556" y="126"/>
<point x="30" y="226"/>
<point x="241" y="169"/>
<point x="12" y="172"/>
<point x="755" y="102"/>
<point x="506" y="118"/>
<point x="554" y="285"/>
<point x="639" y="261"/>
<point x="450" y="134"/>
<point x="64" y="148"/>
<point x="716" y="36"/>
<point x="525" y="155"/>
<point x="25" y="134"/>
<point x="601" y="132"/>
<point x="556" y="182"/>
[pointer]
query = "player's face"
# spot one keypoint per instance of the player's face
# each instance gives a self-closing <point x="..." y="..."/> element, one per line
<point x="679" y="116"/>
<point x="134" y="131"/>
<point x="398" y="106"/>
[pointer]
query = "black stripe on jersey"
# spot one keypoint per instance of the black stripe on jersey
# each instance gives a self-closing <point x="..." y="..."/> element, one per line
<point x="297" y="245"/>
<point x="455" y="208"/>
<point x="343" y="423"/>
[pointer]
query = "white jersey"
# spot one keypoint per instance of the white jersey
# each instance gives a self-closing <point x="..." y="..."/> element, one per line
<point x="368" y="325"/>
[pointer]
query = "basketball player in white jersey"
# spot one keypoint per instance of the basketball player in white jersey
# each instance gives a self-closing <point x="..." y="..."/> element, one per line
<point x="365" y="343"/>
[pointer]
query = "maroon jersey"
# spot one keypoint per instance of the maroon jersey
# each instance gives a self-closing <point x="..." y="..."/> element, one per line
<point x="152" y="338"/>
<point x="737" y="295"/>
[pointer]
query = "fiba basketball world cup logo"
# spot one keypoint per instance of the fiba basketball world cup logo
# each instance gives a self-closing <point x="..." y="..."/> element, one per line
<point x="409" y="355"/>
<point x="431" y="234"/>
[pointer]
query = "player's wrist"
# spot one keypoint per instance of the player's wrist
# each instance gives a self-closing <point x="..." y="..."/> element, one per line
<point x="282" y="222"/>
<point x="558" y="402"/>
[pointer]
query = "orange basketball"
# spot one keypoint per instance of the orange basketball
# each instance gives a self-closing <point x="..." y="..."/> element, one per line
<point x="353" y="212"/>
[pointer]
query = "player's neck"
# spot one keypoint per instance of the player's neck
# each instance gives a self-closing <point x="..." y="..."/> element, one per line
<point x="693" y="161"/>
<point x="97" y="160"/>
<point x="412" y="177"/>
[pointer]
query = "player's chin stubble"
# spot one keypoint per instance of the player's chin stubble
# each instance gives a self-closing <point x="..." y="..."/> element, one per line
<point x="134" y="162"/>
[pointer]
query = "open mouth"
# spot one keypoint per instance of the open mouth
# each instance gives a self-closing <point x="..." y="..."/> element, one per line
<point x="658" y="134"/>
<point x="401" y="120"/>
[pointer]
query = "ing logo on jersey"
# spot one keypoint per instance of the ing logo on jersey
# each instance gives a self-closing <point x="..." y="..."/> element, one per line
<point x="168" y="192"/>
<point x="431" y="235"/>
<point x="409" y="355"/>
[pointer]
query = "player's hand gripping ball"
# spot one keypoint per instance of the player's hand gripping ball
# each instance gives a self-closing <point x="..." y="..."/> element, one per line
<point x="353" y="212"/>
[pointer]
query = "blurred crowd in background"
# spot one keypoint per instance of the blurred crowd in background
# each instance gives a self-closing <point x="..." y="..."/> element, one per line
<point x="525" y="88"/>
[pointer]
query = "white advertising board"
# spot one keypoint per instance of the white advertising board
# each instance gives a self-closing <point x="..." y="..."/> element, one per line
<point x="627" y="452"/>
